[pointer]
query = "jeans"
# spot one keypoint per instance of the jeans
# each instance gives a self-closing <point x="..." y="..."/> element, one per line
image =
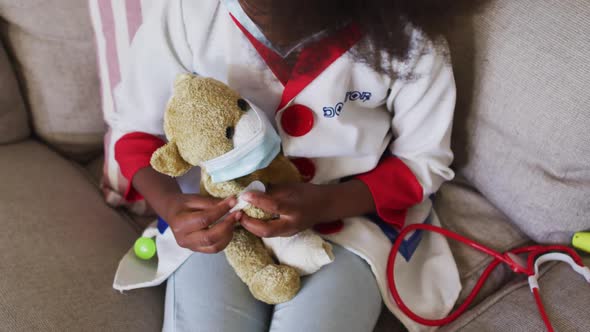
<point x="205" y="294"/>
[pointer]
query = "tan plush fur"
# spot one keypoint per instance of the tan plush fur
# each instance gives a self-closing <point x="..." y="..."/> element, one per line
<point x="281" y="170"/>
<point x="195" y="124"/>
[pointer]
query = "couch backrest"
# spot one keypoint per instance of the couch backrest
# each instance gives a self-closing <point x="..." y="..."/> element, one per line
<point x="13" y="115"/>
<point x="522" y="130"/>
<point x="52" y="45"/>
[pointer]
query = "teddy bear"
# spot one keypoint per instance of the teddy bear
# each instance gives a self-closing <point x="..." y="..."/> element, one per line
<point x="207" y="124"/>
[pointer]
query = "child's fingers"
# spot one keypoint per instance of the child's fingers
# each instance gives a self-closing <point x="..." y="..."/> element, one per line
<point x="211" y="215"/>
<point x="265" y="202"/>
<point x="272" y="228"/>
<point x="213" y="239"/>
<point x="195" y="221"/>
<point x="198" y="202"/>
<point x="219" y="246"/>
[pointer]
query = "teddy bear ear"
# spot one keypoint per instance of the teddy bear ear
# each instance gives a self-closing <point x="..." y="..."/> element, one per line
<point x="167" y="160"/>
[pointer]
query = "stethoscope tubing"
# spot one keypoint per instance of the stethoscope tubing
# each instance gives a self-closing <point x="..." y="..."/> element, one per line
<point x="510" y="258"/>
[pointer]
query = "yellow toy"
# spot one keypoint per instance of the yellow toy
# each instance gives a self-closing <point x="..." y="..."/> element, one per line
<point x="205" y="122"/>
<point x="581" y="241"/>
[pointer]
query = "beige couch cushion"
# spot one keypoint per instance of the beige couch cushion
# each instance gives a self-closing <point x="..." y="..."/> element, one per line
<point x="60" y="247"/>
<point x="53" y="47"/>
<point x="465" y="211"/>
<point x="565" y="295"/>
<point x="95" y="169"/>
<point x="13" y="116"/>
<point x="521" y="131"/>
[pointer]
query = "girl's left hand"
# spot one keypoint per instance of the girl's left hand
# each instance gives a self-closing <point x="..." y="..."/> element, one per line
<point x="297" y="206"/>
<point x="302" y="205"/>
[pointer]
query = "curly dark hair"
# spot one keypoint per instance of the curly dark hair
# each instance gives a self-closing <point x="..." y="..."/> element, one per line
<point x="383" y="22"/>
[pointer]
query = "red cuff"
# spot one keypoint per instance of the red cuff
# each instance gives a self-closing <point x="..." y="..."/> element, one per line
<point x="133" y="152"/>
<point x="394" y="188"/>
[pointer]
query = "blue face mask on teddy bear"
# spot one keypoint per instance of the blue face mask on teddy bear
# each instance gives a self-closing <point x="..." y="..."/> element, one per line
<point x="256" y="144"/>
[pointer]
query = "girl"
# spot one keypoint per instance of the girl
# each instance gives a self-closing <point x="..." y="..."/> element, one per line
<point x="363" y="100"/>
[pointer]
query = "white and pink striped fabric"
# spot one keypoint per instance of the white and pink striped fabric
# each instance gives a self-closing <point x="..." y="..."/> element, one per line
<point x="115" y="23"/>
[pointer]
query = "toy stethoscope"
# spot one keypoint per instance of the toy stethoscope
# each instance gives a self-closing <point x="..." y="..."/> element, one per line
<point x="537" y="255"/>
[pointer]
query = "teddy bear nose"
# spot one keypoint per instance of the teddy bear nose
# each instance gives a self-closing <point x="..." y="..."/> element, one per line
<point x="229" y="132"/>
<point x="243" y="105"/>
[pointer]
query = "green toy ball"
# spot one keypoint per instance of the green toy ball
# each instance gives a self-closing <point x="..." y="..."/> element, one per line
<point x="145" y="248"/>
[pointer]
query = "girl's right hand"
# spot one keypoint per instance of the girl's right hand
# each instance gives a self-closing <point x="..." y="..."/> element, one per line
<point x="192" y="219"/>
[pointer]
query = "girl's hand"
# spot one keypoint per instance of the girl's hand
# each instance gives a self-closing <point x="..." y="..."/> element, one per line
<point x="302" y="205"/>
<point x="190" y="218"/>
<point x="297" y="207"/>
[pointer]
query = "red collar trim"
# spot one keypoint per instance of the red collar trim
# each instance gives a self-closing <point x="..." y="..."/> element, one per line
<point x="274" y="61"/>
<point x="313" y="60"/>
<point x="316" y="58"/>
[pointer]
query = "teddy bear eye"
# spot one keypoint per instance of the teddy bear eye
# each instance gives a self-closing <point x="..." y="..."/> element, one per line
<point x="229" y="132"/>
<point x="243" y="105"/>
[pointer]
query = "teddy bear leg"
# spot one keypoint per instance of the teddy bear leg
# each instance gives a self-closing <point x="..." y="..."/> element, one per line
<point x="268" y="282"/>
<point x="275" y="284"/>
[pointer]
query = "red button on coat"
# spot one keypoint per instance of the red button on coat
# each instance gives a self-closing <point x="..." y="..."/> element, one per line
<point x="297" y="120"/>
<point x="306" y="168"/>
<point x="329" y="228"/>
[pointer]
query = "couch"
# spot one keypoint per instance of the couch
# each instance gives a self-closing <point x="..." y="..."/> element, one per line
<point x="521" y="140"/>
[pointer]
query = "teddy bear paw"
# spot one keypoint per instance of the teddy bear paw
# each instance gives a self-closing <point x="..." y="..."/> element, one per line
<point x="275" y="284"/>
<point x="256" y="213"/>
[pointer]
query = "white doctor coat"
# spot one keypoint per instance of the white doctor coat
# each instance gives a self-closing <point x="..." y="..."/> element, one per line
<point x="336" y="117"/>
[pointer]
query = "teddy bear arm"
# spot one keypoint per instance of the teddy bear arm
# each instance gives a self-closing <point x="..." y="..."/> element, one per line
<point x="232" y="188"/>
<point x="222" y="189"/>
<point x="203" y="191"/>
<point x="280" y="171"/>
<point x="167" y="160"/>
<point x="268" y="282"/>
